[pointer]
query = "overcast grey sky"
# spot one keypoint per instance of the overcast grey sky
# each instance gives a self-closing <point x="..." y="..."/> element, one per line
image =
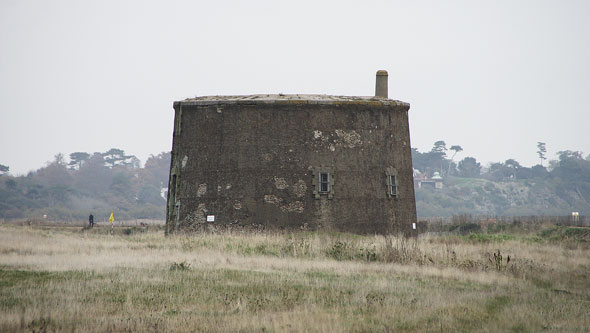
<point x="492" y="76"/>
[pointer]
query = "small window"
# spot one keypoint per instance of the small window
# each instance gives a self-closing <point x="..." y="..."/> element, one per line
<point x="391" y="182"/>
<point x="393" y="186"/>
<point x="324" y="182"/>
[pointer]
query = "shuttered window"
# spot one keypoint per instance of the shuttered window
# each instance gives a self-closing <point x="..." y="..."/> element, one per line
<point x="324" y="182"/>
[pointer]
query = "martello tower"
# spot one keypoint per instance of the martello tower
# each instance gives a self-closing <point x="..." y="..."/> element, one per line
<point x="339" y="163"/>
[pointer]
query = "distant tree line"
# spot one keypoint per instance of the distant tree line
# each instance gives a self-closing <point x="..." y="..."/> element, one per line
<point x="560" y="187"/>
<point x="569" y="164"/>
<point x="102" y="182"/>
<point x="95" y="183"/>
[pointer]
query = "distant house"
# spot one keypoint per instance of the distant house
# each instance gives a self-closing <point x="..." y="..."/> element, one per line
<point x="418" y="178"/>
<point x="422" y="181"/>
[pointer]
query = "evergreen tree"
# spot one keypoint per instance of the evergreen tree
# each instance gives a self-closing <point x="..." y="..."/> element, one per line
<point x="77" y="158"/>
<point x="3" y="169"/>
<point x="469" y="168"/>
<point x="541" y="151"/>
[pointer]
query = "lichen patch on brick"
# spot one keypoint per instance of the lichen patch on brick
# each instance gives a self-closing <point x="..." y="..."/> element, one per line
<point x="293" y="207"/>
<point x="299" y="188"/>
<point x="338" y="139"/>
<point x="201" y="190"/>
<point x="272" y="199"/>
<point x="280" y="183"/>
<point x="349" y="139"/>
<point x="201" y="213"/>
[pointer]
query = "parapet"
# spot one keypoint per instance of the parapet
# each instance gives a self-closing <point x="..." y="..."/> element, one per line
<point x="291" y="99"/>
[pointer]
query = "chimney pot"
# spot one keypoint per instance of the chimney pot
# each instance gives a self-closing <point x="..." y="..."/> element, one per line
<point x="381" y="84"/>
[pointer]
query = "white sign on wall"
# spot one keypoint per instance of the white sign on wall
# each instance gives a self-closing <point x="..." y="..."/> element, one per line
<point x="210" y="218"/>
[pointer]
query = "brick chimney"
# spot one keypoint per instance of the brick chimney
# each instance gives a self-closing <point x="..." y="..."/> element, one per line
<point x="381" y="84"/>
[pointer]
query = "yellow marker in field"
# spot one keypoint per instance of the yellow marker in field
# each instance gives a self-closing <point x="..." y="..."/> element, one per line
<point x="112" y="218"/>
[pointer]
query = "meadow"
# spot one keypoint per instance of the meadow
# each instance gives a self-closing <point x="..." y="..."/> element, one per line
<point x="134" y="278"/>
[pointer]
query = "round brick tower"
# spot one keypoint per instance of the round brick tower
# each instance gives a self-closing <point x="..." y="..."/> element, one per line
<point x="292" y="162"/>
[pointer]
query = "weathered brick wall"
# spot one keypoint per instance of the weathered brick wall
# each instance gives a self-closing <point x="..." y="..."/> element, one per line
<point x="253" y="165"/>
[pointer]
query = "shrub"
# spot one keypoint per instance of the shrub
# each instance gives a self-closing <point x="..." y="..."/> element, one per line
<point x="180" y="266"/>
<point x="339" y="251"/>
<point x="400" y="250"/>
<point x="367" y="254"/>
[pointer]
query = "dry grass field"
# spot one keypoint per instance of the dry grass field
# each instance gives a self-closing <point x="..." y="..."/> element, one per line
<point x="57" y="278"/>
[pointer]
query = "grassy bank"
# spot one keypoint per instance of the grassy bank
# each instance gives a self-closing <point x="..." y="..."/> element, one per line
<point x="137" y="279"/>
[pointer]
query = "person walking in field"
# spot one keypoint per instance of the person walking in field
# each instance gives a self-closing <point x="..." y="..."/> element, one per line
<point x="90" y="221"/>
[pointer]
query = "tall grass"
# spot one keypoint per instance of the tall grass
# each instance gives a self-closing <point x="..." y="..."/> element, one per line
<point x="68" y="279"/>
